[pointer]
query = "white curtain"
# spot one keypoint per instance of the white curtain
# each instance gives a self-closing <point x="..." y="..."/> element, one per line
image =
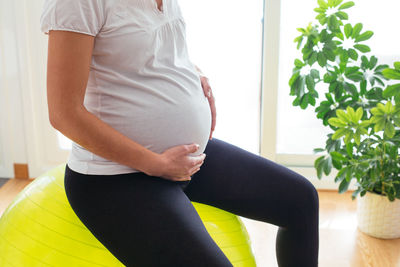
<point x="26" y="135"/>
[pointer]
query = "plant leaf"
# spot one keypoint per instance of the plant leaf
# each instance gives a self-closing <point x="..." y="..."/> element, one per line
<point x="314" y="73"/>
<point x="338" y="156"/>
<point x="343" y="186"/>
<point x="298" y="63"/>
<point x="328" y="165"/>
<point x="294" y="78"/>
<point x="373" y="61"/>
<point x="379" y="125"/>
<point x="352" y="114"/>
<point x="339" y="133"/>
<point x="364" y="36"/>
<point x="348" y="30"/>
<point x="321" y="59"/>
<point x="376" y="111"/>
<point x="348" y="137"/>
<point x="357" y="138"/>
<point x="342" y="15"/>
<point x="323" y="4"/>
<point x="318" y="165"/>
<point x="389" y="130"/>
<point x="349" y="173"/>
<point x="336" y="122"/>
<point x="337" y="2"/>
<point x="359" y="113"/>
<point x="310" y="82"/>
<point x="346" y="5"/>
<point x="329" y="97"/>
<point x="391" y="74"/>
<point x="349" y="149"/>
<point x="342" y="115"/>
<point x="304" y="101"/>
<point x="319" y="10"/>
<point x="316" y="150"/>
<point x="356" y="30"/>
<point x="353" y="54"/>
<point x="362" y="48"/>
<point x="364" y="124"/>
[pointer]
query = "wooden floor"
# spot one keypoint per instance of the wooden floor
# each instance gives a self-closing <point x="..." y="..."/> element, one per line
<point x="341" y="243"/>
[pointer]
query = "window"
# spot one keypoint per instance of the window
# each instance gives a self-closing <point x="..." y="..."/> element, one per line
<point x="225" y="41"/>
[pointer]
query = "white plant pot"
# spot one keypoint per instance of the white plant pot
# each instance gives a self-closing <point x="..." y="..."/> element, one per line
<point x="378" y="217"/>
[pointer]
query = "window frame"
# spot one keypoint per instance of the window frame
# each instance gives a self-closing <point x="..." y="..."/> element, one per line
<point x="300" y="163"/>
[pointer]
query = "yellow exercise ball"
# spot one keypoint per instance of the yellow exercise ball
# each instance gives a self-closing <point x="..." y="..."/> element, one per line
<point x="39" y="228"/>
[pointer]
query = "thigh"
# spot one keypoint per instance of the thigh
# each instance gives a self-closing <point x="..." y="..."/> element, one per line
<point x="251" y="186"/>
<point x="142" y="220"/>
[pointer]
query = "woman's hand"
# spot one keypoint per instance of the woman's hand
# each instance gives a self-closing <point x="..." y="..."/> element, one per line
<point x="176" y="165"/>
<point x="211" y="100"/>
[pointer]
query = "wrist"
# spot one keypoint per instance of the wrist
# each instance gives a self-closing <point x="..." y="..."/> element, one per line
<point x="152" y="163"/>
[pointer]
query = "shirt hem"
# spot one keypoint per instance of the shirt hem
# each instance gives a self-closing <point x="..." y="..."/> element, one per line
<point x="59" y="28"/>
<point x="98" y="169"/>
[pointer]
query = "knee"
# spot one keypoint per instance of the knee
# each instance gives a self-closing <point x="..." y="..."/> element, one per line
<point x="311" y="194"/>
<point x="308" y="198"/>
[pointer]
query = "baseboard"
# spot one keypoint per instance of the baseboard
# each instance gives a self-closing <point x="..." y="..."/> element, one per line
<point x="21" y="171"/>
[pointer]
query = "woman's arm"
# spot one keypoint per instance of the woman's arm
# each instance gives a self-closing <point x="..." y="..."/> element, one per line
<point x="211" y="99"/>
<point x="69" y="57"/>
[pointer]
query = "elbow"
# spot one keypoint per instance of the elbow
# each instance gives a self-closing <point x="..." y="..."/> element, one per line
<point x="54" y="120"/>
<point x="58" y="118"/>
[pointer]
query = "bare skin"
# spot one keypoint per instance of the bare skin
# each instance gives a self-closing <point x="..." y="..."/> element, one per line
<point x="69" y="56"/>
<point x="211" y="99"/>
<point x="159" y="4"/>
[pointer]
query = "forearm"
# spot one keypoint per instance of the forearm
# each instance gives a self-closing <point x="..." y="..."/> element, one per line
<point x="87" y="130"/>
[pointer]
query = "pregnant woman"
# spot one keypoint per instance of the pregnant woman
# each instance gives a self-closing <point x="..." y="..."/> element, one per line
<point x="121" y="86"/>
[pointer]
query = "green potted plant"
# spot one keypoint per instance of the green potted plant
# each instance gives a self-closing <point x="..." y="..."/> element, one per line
<point x="361" y="106"/>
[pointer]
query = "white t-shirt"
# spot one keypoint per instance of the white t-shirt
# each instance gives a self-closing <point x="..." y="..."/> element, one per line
<point x="141" y="80"/>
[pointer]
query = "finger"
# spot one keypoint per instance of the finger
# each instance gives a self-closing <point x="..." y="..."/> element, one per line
<point x="184" y="178"/>
<point x="204" y="79"/>
<point x="207" y="90"/>
<point x="194" y="170"/>
<point x="214" y="123"/>
<point x="196" y="160"/>
<point x="211" y="98"/>
<point x="206" y="86"/>
<point x="203" y="82"/>
<point x="190" y="148"/>
<point x="203" y="85"/>
<point x="201" y="159"/>
<point x="214" y="116"/>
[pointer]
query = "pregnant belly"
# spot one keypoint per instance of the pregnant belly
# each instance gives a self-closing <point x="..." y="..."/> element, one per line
<point x="163" y="126"/>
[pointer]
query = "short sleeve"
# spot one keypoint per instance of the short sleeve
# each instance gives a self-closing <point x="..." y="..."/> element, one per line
<point x="83" y="16"/>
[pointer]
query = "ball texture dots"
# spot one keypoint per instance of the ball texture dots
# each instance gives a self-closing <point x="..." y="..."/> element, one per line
<point x="39" y="228"/>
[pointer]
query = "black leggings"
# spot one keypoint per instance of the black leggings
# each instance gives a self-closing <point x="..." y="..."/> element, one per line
<point x="150" y="221"/>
